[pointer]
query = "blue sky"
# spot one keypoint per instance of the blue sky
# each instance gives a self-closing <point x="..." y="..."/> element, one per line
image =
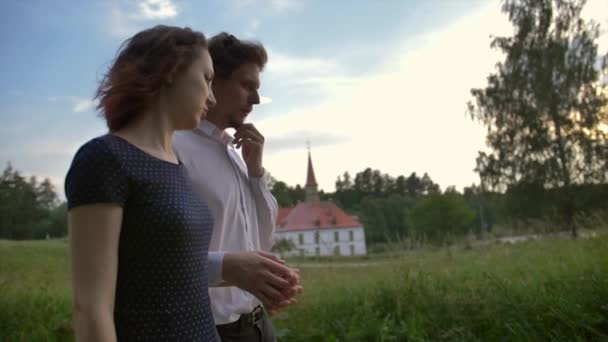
<point x="379" y="84"/>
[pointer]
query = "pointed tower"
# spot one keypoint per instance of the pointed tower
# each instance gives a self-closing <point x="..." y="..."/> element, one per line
<point x="312" y="191"/>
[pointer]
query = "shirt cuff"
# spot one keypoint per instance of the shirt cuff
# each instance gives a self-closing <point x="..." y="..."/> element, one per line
<point x="215" y="261"/>
<point x="262" y="181"/>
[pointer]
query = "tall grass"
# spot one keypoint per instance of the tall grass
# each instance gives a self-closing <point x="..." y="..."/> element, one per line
<point x="542" y="290"/>
<point x="535" y="291"/>
<point x="35" y="298"/>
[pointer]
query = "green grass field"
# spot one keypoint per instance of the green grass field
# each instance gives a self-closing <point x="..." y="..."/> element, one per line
<point x="548" y="290"/>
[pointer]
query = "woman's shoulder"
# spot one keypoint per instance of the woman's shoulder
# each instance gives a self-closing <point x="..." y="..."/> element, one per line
<point x="103" y="146"/>
<point x="100" y="153"/>
<point x="96" y="174"/>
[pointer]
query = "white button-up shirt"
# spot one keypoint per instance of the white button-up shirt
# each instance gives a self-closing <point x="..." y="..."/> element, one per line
<point x="244" y="210"/>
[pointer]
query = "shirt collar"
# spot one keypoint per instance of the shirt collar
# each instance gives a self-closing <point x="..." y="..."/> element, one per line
<point x="215" y="133"/>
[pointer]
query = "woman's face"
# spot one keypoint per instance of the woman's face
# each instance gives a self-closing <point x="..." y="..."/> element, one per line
<point x="189" y="95"/>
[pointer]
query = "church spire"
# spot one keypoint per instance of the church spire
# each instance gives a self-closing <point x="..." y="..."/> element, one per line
<point x="312" y="192"/>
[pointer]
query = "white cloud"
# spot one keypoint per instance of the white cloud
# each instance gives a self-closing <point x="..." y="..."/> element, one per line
<point x="409" y="116"/>
<point x="297" y="139"/>
<point x="274" y="5"/>
<point x="157" y="9"/>
<point x="287" y="66"/>
<point x="83" y="105"/>
<point x="127" y="17"/>
<point x="284" y="5"/>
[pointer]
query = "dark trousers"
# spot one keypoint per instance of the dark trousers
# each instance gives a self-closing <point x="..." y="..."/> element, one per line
<point x="249" y="328"/>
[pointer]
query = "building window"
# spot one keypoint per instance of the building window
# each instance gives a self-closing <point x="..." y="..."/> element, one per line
<point x="352" y="249"/>
<point x="337" y="250"/>
<point x="336" y="236"/>
<point x="317" y="237"/>
<point x="351" y="235"/>
<point x="301" y="239"/>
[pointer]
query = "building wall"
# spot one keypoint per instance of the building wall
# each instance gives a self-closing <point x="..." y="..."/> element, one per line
<point x="326" y="242"/>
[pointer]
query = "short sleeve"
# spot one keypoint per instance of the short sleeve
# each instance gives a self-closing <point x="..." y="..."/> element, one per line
<point x="95" y="176"/>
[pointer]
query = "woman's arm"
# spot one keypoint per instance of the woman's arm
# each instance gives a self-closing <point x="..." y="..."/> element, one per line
<point x="94" y="232"/>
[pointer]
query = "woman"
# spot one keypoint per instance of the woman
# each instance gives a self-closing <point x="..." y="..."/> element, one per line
<point x="138" y="233"/>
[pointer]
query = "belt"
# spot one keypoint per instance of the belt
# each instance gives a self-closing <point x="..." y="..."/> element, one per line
<point x="253" y="317"/>
<point x="246" y="320"/>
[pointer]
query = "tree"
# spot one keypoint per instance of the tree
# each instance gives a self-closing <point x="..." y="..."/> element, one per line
<point x="374" y="219"/>
<point x="285" y="195"/>
<point x="363" y="181"/>
<point x="413" y="185"/>
<point x="281" y="192"/>
<point x="29" y="210"/>
<point x="346" y="181"/>
<point x="544" y="106"/>
<point x="442" y="217"/>
<point x="428" y="187"/>
<point x="386" y="218"/>
<point x="451" y="190"/>
<point x="400" y="185"/>
<point x="485" y="206"/>
<point x="46" y="195"/>
<point x="343" y="183"/>
<point x="283" y="246"/>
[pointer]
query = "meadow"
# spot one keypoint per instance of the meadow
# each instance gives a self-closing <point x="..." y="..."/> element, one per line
<point x="550" y="289"/>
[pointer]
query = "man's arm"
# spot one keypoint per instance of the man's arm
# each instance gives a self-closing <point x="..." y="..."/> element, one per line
<point x="267" y="210"/>
<point x="215" y="261"/>
<point x="252" y="142"/>
<point x="262" y="274"/>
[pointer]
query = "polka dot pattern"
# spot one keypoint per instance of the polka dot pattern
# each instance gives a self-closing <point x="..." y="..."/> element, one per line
<point x="161" y="290"/>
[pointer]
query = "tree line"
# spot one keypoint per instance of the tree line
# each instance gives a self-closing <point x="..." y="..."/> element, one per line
<point x="29" y="208"/>
<point x="416" y="208"/>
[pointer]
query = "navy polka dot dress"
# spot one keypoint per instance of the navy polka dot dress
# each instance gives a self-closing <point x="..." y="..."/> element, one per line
<point x="161" y="290"/>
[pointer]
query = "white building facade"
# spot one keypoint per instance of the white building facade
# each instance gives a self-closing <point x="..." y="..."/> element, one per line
<point x="326" y="242"/>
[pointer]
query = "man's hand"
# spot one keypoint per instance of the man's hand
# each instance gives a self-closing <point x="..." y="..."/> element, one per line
<point x="248" y="137"/>
<point x="295" y="289"/>
<point x="264" y="275"/>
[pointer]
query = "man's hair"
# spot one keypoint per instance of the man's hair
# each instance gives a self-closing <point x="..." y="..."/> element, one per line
<point x="144" y="63"/>
<point x="229" y="53"/>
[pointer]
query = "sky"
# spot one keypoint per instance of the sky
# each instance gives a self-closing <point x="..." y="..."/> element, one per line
<point x="380" y="84"/>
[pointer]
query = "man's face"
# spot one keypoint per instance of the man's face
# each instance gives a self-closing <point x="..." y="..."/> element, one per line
<point x="237" y="95"/>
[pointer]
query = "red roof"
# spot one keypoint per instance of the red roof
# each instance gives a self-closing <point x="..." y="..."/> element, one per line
<point x="314" y="215"/>
<point x="283" y="212"/>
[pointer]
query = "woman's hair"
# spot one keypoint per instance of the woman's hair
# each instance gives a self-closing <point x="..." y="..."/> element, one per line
<point x="229" y="53"/>
<point x="144" y="63"/>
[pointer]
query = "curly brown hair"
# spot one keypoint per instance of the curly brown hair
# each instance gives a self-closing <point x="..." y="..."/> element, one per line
<point x="144" y="63"/>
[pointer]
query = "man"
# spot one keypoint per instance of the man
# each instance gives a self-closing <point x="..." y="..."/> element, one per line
<point x="236" y="189"/>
